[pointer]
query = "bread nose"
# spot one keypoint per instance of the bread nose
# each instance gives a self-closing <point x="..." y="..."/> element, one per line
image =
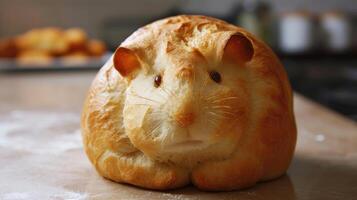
<point x="185" y="119"/>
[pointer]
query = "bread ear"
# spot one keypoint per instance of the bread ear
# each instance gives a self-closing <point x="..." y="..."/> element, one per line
<point x="125" y="61"/>
<point x="239" y="49"/>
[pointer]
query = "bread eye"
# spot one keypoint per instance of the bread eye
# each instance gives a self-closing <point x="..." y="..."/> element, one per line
<point x="157" y="81"/>
<point x="215" y="76"/>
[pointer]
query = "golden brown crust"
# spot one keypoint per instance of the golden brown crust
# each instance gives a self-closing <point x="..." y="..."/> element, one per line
<point x="109" y="149"/>
<point x="267" y="135"/>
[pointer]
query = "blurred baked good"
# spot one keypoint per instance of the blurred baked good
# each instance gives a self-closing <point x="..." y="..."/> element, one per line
<point x="48" y="40"/>
<point x="76" y="58"/>
<point x="8" y="48"/>
<point x="41" y="45"/>
<point x="76" y="38"/>
<point x="96" y="48"/>
<point x="34" y="57"/>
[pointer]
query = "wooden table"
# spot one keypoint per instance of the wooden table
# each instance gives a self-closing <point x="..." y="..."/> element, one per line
<point x="41" y="155"/>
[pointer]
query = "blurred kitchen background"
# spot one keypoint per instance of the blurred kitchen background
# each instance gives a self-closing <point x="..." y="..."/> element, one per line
<point x="314" y="38"/>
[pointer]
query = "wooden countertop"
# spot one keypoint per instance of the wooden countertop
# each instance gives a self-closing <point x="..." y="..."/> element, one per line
<point x="41" y="154"/>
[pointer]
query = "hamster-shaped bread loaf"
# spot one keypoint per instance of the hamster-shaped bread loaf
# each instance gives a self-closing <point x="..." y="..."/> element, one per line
<point x="190" y="99"/>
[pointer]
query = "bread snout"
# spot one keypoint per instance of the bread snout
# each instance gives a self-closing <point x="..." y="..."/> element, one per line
<point x="184" y="114"/>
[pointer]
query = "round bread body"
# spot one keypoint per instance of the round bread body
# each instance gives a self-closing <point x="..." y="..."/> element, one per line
<point x="190" y="99"/>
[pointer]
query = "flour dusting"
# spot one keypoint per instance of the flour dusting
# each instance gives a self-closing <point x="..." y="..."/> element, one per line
<point x="15" y="195"/>
<point x="40" y="132"/>
<point x="68" y="195"/>
<point x="320" y="137"/>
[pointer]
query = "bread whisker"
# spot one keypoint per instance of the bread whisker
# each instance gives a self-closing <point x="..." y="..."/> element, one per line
<point x="220" y="106"/>
<point x="146" y="98"/>
<point x="168" y="91"/>
<point x="224" y="99"/>
<point x="213" y="121"/>
<point x="150" y="133"/>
